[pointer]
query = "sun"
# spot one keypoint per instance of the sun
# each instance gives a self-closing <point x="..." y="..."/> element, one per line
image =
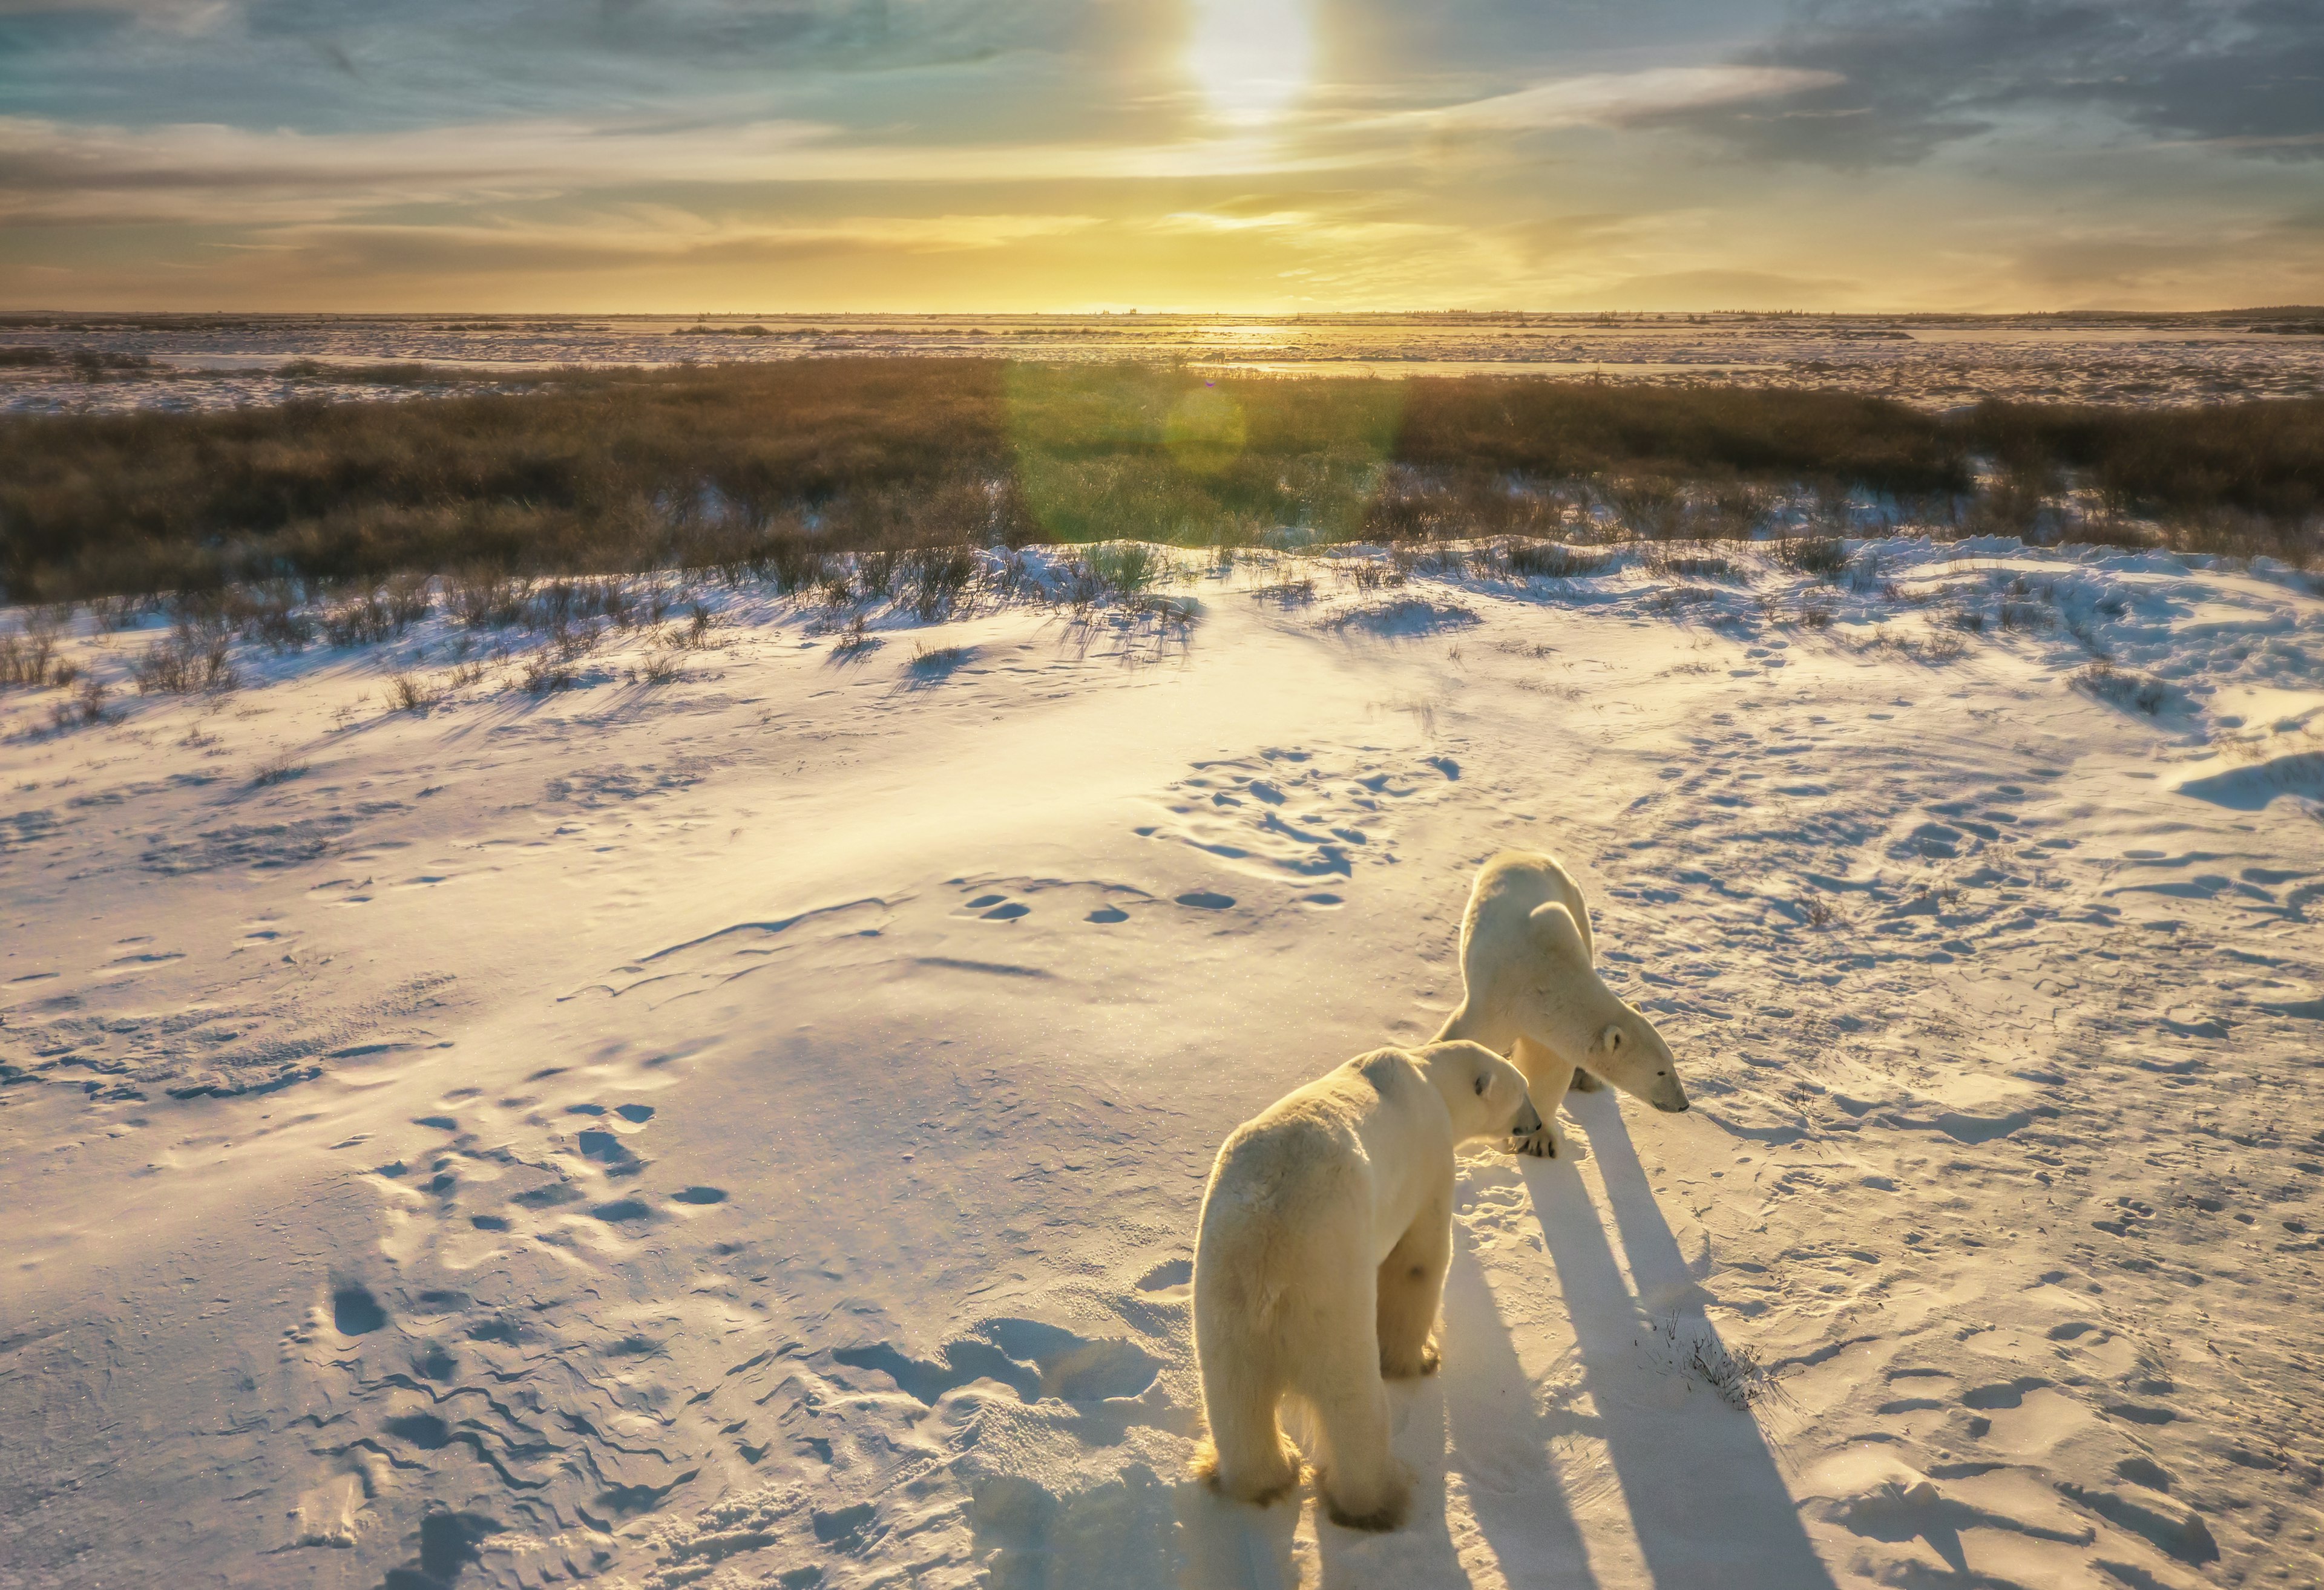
<point x="1250" y="58"/>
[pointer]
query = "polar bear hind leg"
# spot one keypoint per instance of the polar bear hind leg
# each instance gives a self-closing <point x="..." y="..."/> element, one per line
<point x="1411" y="1285"/>
<point x="1247" y="1456"/>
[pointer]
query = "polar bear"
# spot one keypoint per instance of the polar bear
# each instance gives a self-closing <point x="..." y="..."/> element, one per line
<point x="1532" y="992"/>
<point x="1326" y="1229"/>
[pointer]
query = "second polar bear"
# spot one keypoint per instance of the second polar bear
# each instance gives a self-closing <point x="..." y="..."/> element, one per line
<point x="1531" y="990"/>
<point x="1326" y="1230"/>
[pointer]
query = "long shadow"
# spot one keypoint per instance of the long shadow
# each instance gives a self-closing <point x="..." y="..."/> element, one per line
<point x="1706" y="1502"/>
<point x="1421" y="1552"/>
<point x="1478" y="1411"/>
<point x="1227" y="1546"/>
<point x="1519" y="1504"/>
<point x="1664" y="1282"/>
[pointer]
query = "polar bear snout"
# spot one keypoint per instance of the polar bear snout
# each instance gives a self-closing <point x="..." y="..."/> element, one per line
<point x="1528" y="1123"/>
<point x="1662" y="1088"/>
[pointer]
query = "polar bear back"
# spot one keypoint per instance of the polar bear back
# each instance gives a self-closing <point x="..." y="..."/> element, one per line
<point x="1351" y="1156"/>
<point x="1509" y="889"/>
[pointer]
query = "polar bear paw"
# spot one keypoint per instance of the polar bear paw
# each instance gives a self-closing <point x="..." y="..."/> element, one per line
<point x="1261" y="1484"/>
<point x="1548" y="1144"/>
<point x="1412" y="1366"/>
<point x="1377" y="1507"/>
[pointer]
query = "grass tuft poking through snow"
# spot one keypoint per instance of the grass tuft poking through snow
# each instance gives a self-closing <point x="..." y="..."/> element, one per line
<point x="278" y="769"/>
<point x="1687" y="1345"/>
<point x="408" y="694"/>
<point x="184" y="662"/>
<point x="2123" y="687"/>
<point x="935" y="663"/>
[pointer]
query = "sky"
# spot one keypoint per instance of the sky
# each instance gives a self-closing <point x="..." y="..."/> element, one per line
<point x="1261" y="156"/>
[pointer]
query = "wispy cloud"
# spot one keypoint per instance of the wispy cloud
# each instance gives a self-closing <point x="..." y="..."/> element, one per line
<point x="1301" y="228"/>
<point x="1616" y="99"/>
<point x="1905" y="82"/>
<point x="50" y="172"/>
<point x="648" y="232"/>
<point x="180" y="16"/>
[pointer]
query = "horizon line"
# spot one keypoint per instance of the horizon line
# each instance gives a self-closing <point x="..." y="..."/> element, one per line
<point x="1140" y="313"/>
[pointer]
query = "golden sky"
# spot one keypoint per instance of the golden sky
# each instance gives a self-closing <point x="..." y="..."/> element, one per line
<point x="1269" y="156"/>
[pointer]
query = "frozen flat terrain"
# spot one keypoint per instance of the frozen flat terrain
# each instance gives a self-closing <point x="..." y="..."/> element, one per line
<point x="747" y="1129"/>
<point x="196" y="362"/>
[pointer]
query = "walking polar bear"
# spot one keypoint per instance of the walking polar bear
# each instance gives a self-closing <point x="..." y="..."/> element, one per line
<point x="1326" y="1230"/>
<point x="1532" y="992"/>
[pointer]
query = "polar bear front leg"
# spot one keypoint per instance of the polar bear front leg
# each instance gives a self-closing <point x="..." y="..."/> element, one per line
<point x="1411" y="1287"/>
<point x="1548" y="1077"/>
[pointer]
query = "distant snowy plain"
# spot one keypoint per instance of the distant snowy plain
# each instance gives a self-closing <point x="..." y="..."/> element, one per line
<point x="219" y="362"/>
<point x="747" y="1129"/>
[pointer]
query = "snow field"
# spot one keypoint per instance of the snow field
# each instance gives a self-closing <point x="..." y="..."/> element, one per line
<point x="747" y="1129"/>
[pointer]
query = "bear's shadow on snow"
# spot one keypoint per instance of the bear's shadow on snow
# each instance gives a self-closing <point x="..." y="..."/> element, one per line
<point x="1707" y="1501"/>
<point x="1421" y="1552"/>
<point x="1524" y="1514"/>
<point x="1224" y="1545"/>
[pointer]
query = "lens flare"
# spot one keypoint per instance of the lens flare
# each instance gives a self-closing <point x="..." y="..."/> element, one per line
<point x="1204" y="431"/>
<point x="1250" y="58"/>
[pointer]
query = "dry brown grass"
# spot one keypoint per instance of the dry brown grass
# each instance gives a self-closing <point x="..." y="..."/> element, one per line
<point x="186" y="660"/>
<point x="408" y="692"/>
<point x="31" y="660"/>
<point x="767" y="469"/>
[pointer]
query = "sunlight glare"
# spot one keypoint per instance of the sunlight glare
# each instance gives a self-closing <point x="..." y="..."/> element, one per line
<point x="1250" y="57"/>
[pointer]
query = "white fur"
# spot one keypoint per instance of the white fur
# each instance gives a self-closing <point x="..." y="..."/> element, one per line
<point x="1531" y="991"/>
<point x="1325" y="1233"/>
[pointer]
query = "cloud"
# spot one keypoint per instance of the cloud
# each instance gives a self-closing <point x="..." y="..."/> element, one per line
<point x="1908" y="79"/>
<point x="957" y="152"/>
<point x="1604" y="235"/>
<point x="2119" y="263"/>
<point x="52" y="173"/>
<point x="1304" y="229"/>
<point x="1726" y="289"/>
<point x="711" y="33"/>
<point x="615" y="241"/>
<point x="180" y="16"/>
<point x="1615" y="100"/>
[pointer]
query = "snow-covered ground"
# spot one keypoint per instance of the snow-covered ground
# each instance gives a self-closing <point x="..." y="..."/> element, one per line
<point x="215" y="362"/>
<point x="747" y="1129"/>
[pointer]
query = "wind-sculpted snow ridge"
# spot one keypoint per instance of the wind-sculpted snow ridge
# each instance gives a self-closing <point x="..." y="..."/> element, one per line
<point x="737" y="1117"/>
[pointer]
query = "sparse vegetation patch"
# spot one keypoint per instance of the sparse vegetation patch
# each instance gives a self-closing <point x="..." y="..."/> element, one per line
<point x="769" y="471"/>
<point x="2123" y="687"/>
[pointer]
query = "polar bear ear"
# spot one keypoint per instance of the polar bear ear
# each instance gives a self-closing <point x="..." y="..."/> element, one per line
<point x="1612" y="1040"/>
<point x="1480" y="1084"/>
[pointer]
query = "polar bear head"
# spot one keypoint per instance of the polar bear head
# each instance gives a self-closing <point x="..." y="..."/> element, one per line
<point x="1558" y="1000"/>
<point x="1484" y="1094"/>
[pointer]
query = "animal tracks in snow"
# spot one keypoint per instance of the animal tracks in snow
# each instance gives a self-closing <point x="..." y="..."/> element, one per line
<point x="523" y="1208"/>
<point x="1300" y="817"/>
